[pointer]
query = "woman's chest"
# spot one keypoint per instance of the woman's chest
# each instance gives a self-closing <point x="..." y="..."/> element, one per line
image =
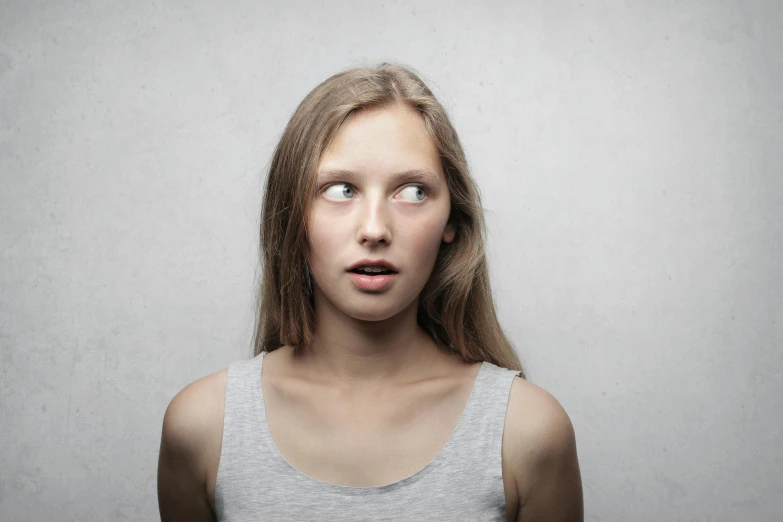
<point x="360" y="447"/>
<point x="366" y="442"/>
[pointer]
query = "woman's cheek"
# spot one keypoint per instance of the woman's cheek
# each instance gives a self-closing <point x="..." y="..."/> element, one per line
<point x="428" y="240"/>
<point x="322" y="246"/>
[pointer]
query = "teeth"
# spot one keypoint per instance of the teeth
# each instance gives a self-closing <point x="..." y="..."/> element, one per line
<point x="373" y="269"/>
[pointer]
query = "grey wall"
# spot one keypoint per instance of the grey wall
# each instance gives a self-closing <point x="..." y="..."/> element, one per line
<point x="629" y="155"/>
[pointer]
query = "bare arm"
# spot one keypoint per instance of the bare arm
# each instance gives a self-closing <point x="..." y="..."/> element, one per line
<point x="547" y="473"/>
<point x="188" y="431"/>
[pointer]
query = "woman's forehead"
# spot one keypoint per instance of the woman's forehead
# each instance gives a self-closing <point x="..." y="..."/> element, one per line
<point x="390" y="139"/>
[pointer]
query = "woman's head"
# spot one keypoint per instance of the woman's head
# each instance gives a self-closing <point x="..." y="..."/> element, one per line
<point x="332" y="198"/>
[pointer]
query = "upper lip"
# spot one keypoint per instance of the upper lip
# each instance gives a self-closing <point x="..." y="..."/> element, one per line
<point x="373" y="262"/>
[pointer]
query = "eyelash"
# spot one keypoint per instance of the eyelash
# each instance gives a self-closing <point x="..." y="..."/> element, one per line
<point x="426" y="189"/>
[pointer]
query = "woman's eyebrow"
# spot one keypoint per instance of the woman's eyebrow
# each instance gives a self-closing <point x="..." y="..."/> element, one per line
<point x="423" y="175"/>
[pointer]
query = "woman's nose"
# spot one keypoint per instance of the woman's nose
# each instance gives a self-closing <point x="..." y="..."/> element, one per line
<point x="374" y="225"/>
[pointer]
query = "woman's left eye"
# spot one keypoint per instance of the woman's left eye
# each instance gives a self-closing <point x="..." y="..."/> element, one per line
<point x="419" y="192"/>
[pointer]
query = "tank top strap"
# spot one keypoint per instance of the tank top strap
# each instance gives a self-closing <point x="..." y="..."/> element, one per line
<point x="242" y="389"/>
<point x="243" y="445"/>
<point x="486" y="411"/>
<point x="479" y="434"/>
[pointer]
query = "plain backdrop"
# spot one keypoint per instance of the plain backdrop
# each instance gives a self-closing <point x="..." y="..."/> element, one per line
<point x="630" y="160"/>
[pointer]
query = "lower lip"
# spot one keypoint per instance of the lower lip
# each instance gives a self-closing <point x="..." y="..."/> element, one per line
<point x="366" y="282"/>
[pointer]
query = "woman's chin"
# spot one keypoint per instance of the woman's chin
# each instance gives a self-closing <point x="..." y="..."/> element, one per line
<point x="374" y="311"/>
<point x="373" y="315"/>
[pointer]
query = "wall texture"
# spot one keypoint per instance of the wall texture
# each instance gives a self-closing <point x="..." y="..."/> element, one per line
<point x="630" y="156"/>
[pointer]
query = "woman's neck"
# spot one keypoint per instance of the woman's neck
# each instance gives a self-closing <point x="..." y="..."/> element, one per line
<point x="367" y="354"/>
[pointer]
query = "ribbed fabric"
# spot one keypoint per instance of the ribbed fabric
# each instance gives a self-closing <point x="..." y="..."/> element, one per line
<point x="463" y="482"/>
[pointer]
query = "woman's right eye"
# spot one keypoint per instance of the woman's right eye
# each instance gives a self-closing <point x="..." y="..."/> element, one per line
<point x="339" y="189"/>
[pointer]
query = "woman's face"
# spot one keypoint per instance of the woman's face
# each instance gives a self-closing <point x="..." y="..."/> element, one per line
<point x="369" y="205"/>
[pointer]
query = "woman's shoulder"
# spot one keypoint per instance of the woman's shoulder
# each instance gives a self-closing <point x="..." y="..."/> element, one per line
<point x="193" y="422"/>
<point x="541" y="444"/>
<point x="198" y="400"/>
<point x="538" y="417"/>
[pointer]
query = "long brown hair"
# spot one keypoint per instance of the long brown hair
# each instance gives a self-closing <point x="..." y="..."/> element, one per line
<point x="456" y="305"/>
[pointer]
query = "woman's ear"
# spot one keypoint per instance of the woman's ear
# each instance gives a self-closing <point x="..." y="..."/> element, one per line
<point x="449" y="233"/>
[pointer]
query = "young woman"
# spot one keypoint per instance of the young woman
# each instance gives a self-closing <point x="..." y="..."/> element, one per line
<point x="382" y="387"/>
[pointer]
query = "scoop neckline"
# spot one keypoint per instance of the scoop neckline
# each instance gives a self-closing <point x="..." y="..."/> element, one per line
<point x="434" y="464"/>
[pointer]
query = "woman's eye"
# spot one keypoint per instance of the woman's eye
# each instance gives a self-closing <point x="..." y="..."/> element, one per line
<point x="418" y="192"/>
<point x="339" y="189"/>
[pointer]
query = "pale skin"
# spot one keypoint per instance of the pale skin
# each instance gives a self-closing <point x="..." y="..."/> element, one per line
<point x="372" y="361"/>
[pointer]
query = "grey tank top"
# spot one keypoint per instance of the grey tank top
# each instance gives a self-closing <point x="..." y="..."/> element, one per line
<point x="463" y="482"/>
